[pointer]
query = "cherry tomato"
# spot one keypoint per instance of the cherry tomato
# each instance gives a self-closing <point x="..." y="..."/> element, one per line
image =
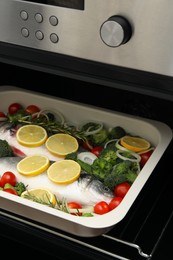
<point x="101" y="208"/>
<point x="87" y="146"/>
<point x="121" y="189"/>
<point x="14" y="108"/>
<point x="3" y="117"/>
<point x="31" y="109"/>
<point x="8" y="177"/>
<point x="97" y="150"/>
<point x="12" y="191"/>
<point x="145" y="157"/>
<point x="74" y="205"/>
<point x="115" y="202"/>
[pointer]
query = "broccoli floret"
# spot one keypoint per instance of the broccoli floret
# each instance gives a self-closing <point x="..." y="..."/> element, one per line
<point x="109" y="154"/>
<point x="123" y="171"/>
<point x="99" y="138"/>
<point x="131" y="176"/>
<point x="101" y="168"/>
<point x="20" y="187"/>
<point x="5" y="149"/>
<point x="116" y="132"/>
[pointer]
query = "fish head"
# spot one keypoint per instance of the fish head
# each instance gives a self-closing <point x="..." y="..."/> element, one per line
<point x="94" y="188"/>
<point x="100" y="191"/>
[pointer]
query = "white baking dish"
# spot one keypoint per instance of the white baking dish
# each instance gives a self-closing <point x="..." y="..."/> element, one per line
<point x="158" y="133"/>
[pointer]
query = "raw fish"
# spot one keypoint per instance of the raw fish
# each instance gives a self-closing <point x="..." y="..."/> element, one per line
<point x="86" y="190"/>
<point x="8" y="133"/>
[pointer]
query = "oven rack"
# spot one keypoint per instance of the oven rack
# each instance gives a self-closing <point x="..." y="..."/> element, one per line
<point x="86" y="242"/>
<point x="105" y="246"/>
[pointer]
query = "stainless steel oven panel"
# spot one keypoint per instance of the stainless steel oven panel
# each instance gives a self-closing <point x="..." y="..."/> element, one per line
<point x="142" y="39"/>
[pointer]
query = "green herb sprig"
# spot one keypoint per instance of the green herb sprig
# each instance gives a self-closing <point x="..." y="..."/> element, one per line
<point x="59" y="205"/>
<point x="48" y="122"/>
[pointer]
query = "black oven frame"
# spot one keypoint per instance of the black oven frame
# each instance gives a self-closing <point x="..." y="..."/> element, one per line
<point x="138" y="236"/>
<point x="137" y="81"/>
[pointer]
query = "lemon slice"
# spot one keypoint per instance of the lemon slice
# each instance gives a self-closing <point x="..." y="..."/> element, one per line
<point x="64" y="172"/>
<point x="31" y="135"/>
<point x="33" y="165"/>
<point x="135" y="144"/>
<point x="61" y="144"/>
<point x="40" y="195"/>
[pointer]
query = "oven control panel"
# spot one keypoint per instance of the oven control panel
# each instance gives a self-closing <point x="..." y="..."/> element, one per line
<point x="125" y="33"/>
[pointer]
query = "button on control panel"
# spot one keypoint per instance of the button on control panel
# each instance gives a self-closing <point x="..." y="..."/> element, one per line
<point x="39" y="32"/>
<point x="39" y="35"/>
<point x="25" y="32"/>
<point x="38" y="18"/>
<point x="24" y="15"/>
<point x="53" y="20"/>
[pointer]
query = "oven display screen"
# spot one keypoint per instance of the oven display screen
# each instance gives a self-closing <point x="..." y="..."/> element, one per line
<point x="74" y="4"/>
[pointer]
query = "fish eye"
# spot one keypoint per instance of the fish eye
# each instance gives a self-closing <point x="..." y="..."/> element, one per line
<point x="106" y="189"/>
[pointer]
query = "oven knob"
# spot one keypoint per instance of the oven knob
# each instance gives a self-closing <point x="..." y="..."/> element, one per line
<point x="115" y="31"/>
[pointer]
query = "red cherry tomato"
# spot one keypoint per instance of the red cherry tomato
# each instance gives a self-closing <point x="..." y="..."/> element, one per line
<point x="97" y="150"/>
<point x="101" y="208"/>
<point x="14" y="108"/>
<point x="31" y="109"/>
<point x="12" y="191"/>
<point x="87" y="146"/>
<point x="115" y="202"/>
<point x="144" y="157"/>
<point x="121" y="189"/>
<point x="8" y="177"/>
<point x="74" y="205"/>
<point x="3" y="117"/>
<point x="2" y="114"/>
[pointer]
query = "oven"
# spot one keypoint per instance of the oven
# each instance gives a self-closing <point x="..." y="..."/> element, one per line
<point x="115" y="55"/>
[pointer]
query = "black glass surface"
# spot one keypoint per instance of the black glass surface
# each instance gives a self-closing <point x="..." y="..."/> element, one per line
<point x="75" y="4"/>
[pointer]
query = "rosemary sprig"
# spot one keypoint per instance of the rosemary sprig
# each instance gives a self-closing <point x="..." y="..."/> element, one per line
<point x="48" y="122"/>
<point x="62" y="205"/>
<point x="40" y="200"/>
<point x="59" y="205"/>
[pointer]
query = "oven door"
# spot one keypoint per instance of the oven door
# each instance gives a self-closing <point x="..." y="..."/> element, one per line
<point x="144" y="232"/>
